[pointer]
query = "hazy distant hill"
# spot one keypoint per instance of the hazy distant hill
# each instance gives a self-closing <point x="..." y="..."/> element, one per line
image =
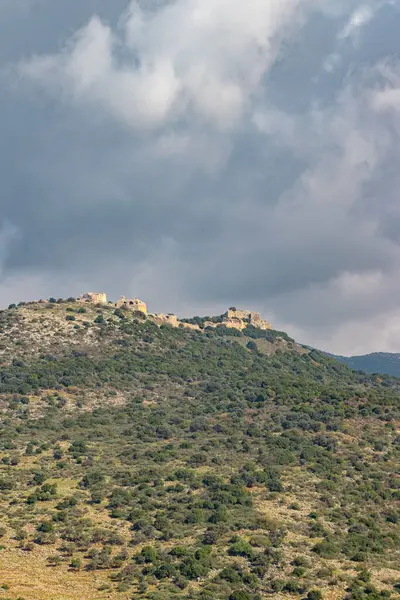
<point x="377" y="362"/>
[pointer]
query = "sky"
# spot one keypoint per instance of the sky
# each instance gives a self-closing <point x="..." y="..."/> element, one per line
<point x="200" y="154"/>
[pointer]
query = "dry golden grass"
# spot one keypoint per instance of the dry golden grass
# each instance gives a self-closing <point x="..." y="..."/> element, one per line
<point x="28" y="576"/>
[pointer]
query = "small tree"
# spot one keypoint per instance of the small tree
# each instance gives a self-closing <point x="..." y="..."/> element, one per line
<point x="251" y="345"/>
<point x="45" y="527"/>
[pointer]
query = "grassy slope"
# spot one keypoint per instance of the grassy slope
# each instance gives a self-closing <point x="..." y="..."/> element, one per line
<point x="182" y="464"/>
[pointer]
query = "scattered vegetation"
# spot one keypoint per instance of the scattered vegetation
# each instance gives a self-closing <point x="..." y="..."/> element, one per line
<point x="177" y="463"/>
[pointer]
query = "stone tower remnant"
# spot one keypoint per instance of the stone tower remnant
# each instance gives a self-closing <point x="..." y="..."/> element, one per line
<point x="94" y="297"/>
<point x="133" y="304"/>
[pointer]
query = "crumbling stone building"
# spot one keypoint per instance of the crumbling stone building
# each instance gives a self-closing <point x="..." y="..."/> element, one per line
<point x="94" y="297"/>
<point x="241" y="318"/>
<point x="132" y="304"/>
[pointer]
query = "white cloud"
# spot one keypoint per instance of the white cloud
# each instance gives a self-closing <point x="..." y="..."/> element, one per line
<point x="359" y="18"/>
<point x="388" y="97"/>
<point x="203" y="58"/>
<point x="358" y="284"/>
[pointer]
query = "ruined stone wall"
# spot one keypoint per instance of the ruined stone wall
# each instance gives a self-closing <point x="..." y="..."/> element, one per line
<point x="94" y="297"/>
<point x="256" y="320"/>
<point x="237" y="314"/>
<point x="133" y="304"/>
<point x="189" y="325"/>
<point x="173" y="320"/>
<point x="241" y="318"/>
<point x="234" y="322"/>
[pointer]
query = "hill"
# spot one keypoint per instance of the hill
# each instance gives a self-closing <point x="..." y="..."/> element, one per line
<point x="377" y="362"/>
<point x="148" y="461"/>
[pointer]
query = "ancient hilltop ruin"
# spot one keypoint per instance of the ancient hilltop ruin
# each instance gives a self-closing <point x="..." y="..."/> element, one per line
<point x="232" y="318"/>
<point x="93" y="297"/>
<point x="132" y="304"/>
<point x="242" y="318"/>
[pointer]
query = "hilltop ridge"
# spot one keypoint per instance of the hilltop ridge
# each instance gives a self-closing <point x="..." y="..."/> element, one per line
<point x="151" y="460"/>
<point x="47" y="322"/>
<point x="233" y="317"/>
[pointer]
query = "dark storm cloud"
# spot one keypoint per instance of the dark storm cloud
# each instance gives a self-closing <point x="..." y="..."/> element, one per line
<point x="153" y="153"/>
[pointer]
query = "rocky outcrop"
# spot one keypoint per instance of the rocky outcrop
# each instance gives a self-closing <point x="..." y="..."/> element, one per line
<point x="162" y="319"/>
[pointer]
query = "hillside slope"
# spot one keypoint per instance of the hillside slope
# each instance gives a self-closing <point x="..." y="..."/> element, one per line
<point x="377" y="362"/>
<point x="153" y="462"/>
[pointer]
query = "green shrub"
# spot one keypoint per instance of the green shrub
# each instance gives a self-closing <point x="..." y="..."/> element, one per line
<point x="326" y="549"/>
<point x="240" y="595"/>
<point x="314" y="595"/>
<point x="241" y="548"/>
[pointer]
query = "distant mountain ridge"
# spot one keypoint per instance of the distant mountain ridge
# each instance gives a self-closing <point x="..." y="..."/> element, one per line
<point x="376" y="362"/>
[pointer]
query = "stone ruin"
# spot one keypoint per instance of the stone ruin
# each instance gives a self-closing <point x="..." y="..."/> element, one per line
<point x="233" y="318"/>
<point x="133" y="304"/>
<point x="240" y="319"/>
<point x="94" y="297"/>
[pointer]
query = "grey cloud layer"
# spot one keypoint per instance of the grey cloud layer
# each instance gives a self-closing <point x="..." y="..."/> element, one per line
<point x="200" y="153"/>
